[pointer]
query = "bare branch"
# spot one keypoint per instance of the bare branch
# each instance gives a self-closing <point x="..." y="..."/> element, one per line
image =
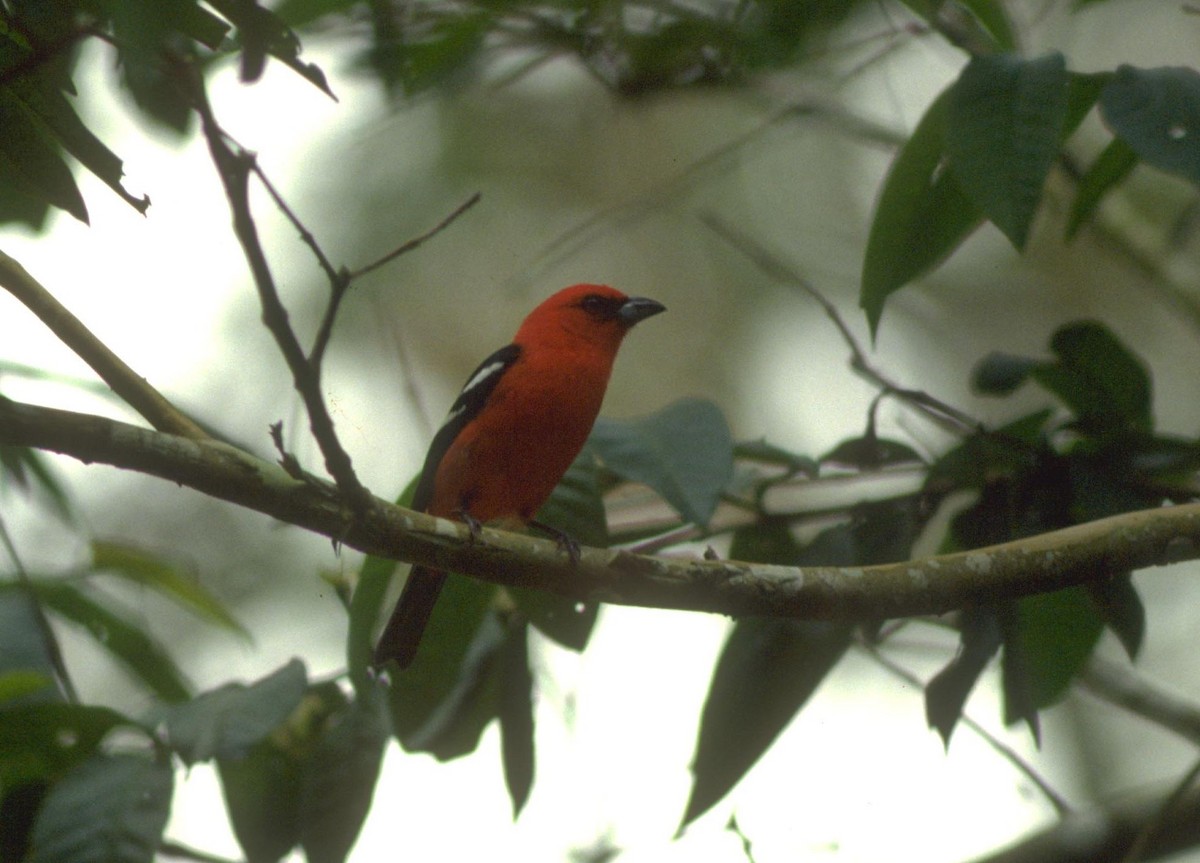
<point x="935" y="585"/>
<point x="124" y="381"/>
<point x="409" y="245"/>
<point x="234" y="169"/>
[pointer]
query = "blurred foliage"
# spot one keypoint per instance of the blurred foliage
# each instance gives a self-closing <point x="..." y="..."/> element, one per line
<point x="298" y="759"/>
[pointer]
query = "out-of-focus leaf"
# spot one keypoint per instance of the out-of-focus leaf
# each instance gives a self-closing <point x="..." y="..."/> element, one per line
<point x="1157" y="113"/>
<point x="922" y="216"/>
<point x="1058" y="632"/>
<point x="228" y="721"/>
<point x="1100" y="379"/>
<point x="132" y="646"/>
<point x="262" y="33"/>
<point x="1004" y="125"/>
<point x="263" y="788"/>
<point x="871" y="453"/>
<point x="29" y="155"/>
<point x="23" y="645"/>
<point x="1111" y="167"/>
<point x="340" y="773"/>
<point x="426" y="697"/>
<point x="27" y="469"/>
<point x="566" y="621"/>
<point x="109" y="809"/>
<point x="42" y="741"/>
<point x="684" y="452"/>
<point x="946" y="693"/>
<point x="430" y="52"/>
<point x="988" y="25"/>
<point x="22" y="683"/>
<point x="148" y="570"/>
<point x="999" y="374"/>
<point x="298" y="13"/>
<point x="767" y="671"/>
<point x="515" y="709"/>
<point x="1120" y="606"/>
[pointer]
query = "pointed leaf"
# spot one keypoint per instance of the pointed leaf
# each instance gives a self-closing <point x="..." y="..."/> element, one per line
<point x="921" y="217"/>
<point x="40" y="741"/>
<point x="109" y="809"/>
<point x="684" y="452"/>
<point x="443" y="665"/>
<point x="23" y="640"/>
<point x="1004" y="126"/>
<point x="1109" y="169"/>
<point x="1058" y="632"/>
<point x="516" y="716"/>
<point x="1098" y="377"/>
<point x="138" y="651"/>
<point x="228" y="721"/>
<point x="1120" y="606"/>
<point x="34" y="160"/>
<point x="946" y="694"/>
<point x="767" y="671"/>
<point x="339" y="778"/>
<point x="1157" y="113"/>
<point x="146" y="569"/>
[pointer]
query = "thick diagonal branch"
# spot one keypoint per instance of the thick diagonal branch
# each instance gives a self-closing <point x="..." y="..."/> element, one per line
<point x="1039" y="564"/>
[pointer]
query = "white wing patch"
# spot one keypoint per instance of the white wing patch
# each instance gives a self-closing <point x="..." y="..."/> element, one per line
<point x="465" y="399"/>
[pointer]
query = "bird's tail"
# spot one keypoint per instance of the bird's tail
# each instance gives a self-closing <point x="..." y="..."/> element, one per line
<point x="404" y="628"/>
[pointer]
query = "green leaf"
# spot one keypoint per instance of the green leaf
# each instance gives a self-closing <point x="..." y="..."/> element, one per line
<point x="922" y="215"/>
<point x="946" y="693"/>
<point x="28" y="470"/>
<point x="1058" y="632"/>
<point x="767" y="671"/>
<point x="23" y="641"/>
<point x="340" y="774"/>
<point x="453" y="728"/>
<point x="999" y="374"/>
<point x="515" y="709"/>
<point x="43" y="741"/>
<point x="446" y="666"/>
<point x="992" y="16"/>
<point x="130" y="645"/>
<point x="1004" y="126"/>
<point x="110" y="809"/>
<point x="1111" y="168"/>
<point x="18" y="685"/>
<point x="263" y="788"/>
<point x="148" y="570"/>
<point x="684" y="452"/>
<point x="228" y="721"/>
<point x="1157" y="113"/>
<point x="1097" y="377"/>
<point x="1118" y="603"/>
<point x="32" y="159"/>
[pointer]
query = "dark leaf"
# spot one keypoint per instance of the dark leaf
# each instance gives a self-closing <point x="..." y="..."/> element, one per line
<point x="767" y="453"/>
<point x="462" y="632"/>
<point x="41" y="741"/>
<point x="228" y="721"/>
<point x="684" y="452"/>
<point x="999" y="374"/>
<point x="946" y="694"/>
<point x="767" y="671"/>
<point x="1111" y="167"/>
<point x="139" y="652"/>
<point x="922" y="215"/>
<point x="1057" y="632"/>
<point x="109" y="809"/>
<point x="516" y="716"/>
<point x="27" y="469"/>
<point x="1104" y="383"/>
<point x="1004" y="125"/>
<point x="32" y="158"/>
<point x="1121" y="608"/>
<point x="24" y="645"/>
<point x="1157" y="113"/>
<point x="263" y="788"/>
<point x="871" y="453"/>
<point x="453" y="727"/>
<point x="340" y="775"/>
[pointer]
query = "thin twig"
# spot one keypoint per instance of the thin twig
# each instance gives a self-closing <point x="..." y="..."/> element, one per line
<point x="124" y="381"/>
<point x="178" y="849"/>
<point x="1003" y="749"/>
<point x="234" y="169"/>
<point x="1119" y="685"/>
<point x="409" y="245"/>
<point x="770" y="264"/>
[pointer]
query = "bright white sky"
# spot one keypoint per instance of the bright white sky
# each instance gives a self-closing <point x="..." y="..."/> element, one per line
<point x="858" y="777"/>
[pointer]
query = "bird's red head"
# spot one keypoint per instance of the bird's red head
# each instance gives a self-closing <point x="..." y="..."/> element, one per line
<point x="593" y="313"/>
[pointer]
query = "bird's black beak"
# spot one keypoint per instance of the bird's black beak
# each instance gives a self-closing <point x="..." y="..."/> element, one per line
<point x="637" y="309"/>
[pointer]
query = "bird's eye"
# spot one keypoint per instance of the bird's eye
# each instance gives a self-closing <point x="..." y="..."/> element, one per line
<point x="598" y="306"/>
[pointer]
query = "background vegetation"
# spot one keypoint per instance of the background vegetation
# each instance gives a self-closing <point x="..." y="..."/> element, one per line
<point x="1006" y="195"/>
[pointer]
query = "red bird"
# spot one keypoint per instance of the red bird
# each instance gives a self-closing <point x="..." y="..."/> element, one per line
<point x="513" y="431"/>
